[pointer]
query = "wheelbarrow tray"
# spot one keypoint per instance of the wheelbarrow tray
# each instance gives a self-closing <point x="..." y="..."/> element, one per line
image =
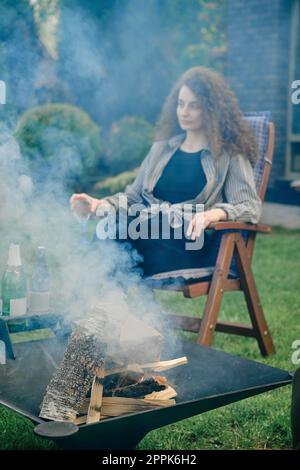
<point x="209" y="380"/>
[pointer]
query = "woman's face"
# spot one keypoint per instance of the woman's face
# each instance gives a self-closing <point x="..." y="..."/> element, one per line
<point x="189" y="112"/>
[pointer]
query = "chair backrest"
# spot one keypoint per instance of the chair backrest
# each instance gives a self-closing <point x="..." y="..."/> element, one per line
<point x="264" y="132"/>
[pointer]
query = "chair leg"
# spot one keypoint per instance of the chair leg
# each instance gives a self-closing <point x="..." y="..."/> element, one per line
<point x="256" y="313"/>
<point x="216" y="290"/>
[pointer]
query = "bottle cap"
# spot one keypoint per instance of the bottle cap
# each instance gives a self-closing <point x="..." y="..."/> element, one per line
<point x="14" y="257"/>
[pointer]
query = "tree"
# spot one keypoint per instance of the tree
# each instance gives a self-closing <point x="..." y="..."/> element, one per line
<point x="20" y="50"/>
<point x="125" y="54"/>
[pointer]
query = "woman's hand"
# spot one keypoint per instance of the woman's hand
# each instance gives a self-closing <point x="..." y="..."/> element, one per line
<point x="84" y="205"/>
<point x="202" y="220"/>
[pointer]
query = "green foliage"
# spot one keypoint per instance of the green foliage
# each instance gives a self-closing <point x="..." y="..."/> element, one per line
<point x="209" y="45"/>
<point x="177" y="34"/>
<point x="59" y="140"/>
<point x="128" y="142"/>
<point x="145" y="47"/>
<point x="199" y="37"/>
<point x="10" y="12"/>
<point x="18" y="46"/>
<point x="114" y="184"/>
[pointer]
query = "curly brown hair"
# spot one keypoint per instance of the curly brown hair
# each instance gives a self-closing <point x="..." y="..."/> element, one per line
<point x="224" y="125"/>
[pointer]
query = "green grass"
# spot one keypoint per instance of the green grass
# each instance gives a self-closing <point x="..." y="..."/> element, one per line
<point x="261" y="422"/>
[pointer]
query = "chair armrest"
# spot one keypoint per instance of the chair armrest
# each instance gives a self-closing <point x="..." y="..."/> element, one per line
<point x="228" y="225"/>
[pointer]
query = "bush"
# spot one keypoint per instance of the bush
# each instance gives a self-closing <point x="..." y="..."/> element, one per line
<point x="128" y="143"/>
<point x="114" y="184"/>
<point x="61" y="142"/>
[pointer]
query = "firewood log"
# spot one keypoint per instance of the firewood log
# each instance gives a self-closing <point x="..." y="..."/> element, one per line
<point x="68" y="387"/>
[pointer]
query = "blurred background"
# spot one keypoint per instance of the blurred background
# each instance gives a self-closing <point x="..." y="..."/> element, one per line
<point x="86" y="79"/>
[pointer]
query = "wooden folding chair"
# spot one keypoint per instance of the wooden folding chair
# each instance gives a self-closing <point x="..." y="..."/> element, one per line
<point x="237" y="242"/>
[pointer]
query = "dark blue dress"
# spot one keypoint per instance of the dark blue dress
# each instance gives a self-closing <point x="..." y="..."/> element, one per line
<point x="182" y="179"/>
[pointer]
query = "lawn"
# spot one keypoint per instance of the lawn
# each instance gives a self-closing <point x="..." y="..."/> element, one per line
<point x="261" y="422"/>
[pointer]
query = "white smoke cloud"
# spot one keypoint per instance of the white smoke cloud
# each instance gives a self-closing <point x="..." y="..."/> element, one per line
<point x="104" y="271"/>
<point x="36" y="214"/>
<point x="2" y="92"/>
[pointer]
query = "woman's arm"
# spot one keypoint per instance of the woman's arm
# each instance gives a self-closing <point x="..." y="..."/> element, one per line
<point x="203" y="219"/>
<point x="133" y="190"/>
<point x="83" y="204"/>
<point x="242" y="202"/>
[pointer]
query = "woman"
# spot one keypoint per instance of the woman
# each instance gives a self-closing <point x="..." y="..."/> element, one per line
<point x="202" y="154"/>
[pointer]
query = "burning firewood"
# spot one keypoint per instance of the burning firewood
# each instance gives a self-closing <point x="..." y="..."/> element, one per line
<point x="103" y="341"/>
<point x="120" y="380"/>
<point x="139" y="389"/>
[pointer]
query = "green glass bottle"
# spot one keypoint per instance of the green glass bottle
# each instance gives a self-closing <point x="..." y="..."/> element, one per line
<point x="14" y="295"/>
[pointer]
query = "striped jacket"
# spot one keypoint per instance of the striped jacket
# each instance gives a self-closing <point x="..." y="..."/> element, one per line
<point x="230" y="182"/>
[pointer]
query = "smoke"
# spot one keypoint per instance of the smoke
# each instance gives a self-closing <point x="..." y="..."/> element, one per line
<point x="34" y="210"/>
<point x="82" y="274"/>
<point x="107" y="63"/>
<point x="16" y="186"/>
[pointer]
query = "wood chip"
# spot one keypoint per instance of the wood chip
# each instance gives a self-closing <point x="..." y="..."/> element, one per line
<point x="94" y="411"/>
<point x="160" y="366"/>
<point x="169" y="392"/>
